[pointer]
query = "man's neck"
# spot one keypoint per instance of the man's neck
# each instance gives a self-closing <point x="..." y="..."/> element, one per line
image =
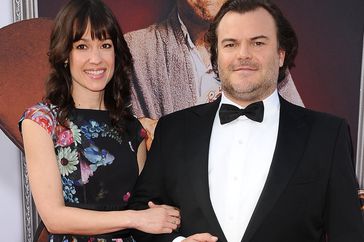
<point x="245" y="102"/>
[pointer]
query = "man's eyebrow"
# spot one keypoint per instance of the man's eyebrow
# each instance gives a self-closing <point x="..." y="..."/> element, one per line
<point x="228" y="40"/>
<point x="253" y="38"/>
<point x="259" y="37"/>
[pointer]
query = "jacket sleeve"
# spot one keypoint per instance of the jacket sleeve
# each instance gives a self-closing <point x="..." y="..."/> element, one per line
<point x="150" y="187"/>
<point x="343" y="218"/>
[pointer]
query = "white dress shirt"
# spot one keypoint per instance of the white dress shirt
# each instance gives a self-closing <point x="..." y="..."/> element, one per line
<point x="240" y="156"/>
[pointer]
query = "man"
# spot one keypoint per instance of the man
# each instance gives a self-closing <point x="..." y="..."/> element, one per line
<point x="172" y="66"/>
<point x="251" y="166"/>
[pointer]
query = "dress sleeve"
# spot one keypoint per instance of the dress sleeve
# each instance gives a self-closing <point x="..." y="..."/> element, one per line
<point x="42" y="114"/>
<point x="138" y="133"/>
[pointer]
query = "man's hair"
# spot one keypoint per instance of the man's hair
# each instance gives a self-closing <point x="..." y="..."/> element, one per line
<point x="287" y="39"/>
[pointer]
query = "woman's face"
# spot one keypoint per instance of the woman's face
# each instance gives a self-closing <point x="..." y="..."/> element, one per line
<point x="92" y="63"/>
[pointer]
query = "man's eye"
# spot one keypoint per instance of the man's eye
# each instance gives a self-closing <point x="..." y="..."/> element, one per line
<point x="258" y="43"/>
<point x="230" y="45"/>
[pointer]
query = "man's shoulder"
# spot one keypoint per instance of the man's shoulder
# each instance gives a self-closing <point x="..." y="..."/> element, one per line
<point x="310" y="115"/>
<point x="198" y="110"/>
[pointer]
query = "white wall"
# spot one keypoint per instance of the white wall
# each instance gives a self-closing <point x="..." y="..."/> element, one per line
<point x="11" y="210"/>
<point x="6" y="13"/>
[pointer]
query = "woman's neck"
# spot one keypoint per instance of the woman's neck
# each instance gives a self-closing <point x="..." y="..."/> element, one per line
<point x="89" y="103"/>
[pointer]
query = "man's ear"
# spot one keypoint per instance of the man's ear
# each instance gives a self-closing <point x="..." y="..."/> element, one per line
<point x="282" y="55"/>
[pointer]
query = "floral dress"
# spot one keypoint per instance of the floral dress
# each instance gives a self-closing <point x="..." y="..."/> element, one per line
<point x="98" y="166"/>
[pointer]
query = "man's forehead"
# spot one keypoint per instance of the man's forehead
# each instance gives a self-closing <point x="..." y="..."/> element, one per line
<point x="252" y="23"/>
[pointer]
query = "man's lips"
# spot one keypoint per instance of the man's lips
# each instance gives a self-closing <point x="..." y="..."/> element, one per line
<point x="245" y="68"/>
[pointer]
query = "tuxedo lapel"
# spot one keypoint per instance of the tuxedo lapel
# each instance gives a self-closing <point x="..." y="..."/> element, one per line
<point x="292" y="135"/>
<point x="201" y="119"/>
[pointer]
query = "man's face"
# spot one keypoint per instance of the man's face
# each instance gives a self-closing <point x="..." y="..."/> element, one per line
<point x="206" y="9"/>
<point x="248" y="55"/>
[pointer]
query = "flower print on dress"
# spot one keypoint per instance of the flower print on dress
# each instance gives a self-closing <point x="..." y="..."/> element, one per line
<point x="76" y="133"/>
<point x="67" y="160"/>
<point x="131" y="146"/>
<point x="43" y="115"/>
<point x="69" y="190"/>
<point x="98" y="157"/>
<point x="92" y="129"/>
<point x="44" y="122"/>
<point x="114" y="134"/>
<point x="86" y="171"/>
<point x="64" y="136"/>
<point x="126" y="197"/>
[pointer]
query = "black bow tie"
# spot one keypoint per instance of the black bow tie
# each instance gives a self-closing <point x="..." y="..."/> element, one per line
<point x="254" y="111"/>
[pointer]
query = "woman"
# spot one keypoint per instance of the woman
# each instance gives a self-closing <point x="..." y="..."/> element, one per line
<point x="84" y="149"/>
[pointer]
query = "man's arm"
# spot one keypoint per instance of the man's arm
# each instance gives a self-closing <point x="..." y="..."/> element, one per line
<point x="343" y="219"/>
<point x="150" y="187"/>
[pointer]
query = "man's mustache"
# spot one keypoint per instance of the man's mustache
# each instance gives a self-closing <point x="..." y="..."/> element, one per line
<point x="245" y="64"/>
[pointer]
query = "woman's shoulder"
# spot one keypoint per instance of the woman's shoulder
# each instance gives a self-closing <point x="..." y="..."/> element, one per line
<point x="133" y="124"/>
<point x="135" y="130"/>
<point x="43" y="107"/>
<point x="44" y="114"/>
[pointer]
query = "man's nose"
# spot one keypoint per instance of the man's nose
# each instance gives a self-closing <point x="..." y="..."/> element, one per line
<point x="244" y="51"/>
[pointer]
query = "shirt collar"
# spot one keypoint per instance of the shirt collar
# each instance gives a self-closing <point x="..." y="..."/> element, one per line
<point x="188" y="40"/>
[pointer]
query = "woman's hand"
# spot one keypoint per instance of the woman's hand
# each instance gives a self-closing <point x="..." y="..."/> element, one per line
<point x="158" y="219"/>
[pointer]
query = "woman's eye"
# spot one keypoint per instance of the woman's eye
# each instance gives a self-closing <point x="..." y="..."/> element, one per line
<point x="106" y="46"/>
<point x="81" y="46"/>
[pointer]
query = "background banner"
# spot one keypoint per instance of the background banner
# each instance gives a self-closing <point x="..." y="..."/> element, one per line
<point x="328" y="65"/>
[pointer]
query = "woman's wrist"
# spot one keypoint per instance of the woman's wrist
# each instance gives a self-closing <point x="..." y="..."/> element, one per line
<point x="132" y="219"/>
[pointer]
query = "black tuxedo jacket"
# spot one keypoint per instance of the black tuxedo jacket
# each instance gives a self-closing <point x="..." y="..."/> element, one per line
<point x="310" y="194"/>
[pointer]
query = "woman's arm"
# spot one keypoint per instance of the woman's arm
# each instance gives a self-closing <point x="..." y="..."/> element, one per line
<point x="149" y="125"/>
<point x="45" y="183"/>
<point x="141" y="155"/>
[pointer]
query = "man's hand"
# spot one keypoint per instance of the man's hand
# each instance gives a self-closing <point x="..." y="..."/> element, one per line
<point x="361" y="197"/>
<point x="203" y="237"/>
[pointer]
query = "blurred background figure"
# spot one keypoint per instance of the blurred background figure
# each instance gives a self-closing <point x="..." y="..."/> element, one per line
<point x="172" y="65"/>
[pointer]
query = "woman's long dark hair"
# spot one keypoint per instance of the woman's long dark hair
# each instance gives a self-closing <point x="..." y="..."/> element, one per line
<point x="70" y="25"/>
